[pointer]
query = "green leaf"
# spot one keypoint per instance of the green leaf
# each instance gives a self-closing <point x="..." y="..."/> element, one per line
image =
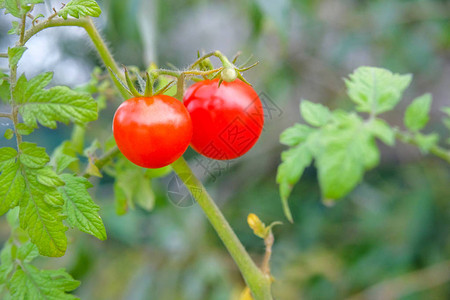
<point x="145" y="197"/>
<point x="7" y="156"/>
<point x="294" y="162"/>
<point x="132" y="186"/>
<point x="417" y="113"/>
<point x="295" y="135"/>
<point x="80" y="8"/>
<point x="30" y="283"/>
<point x="19" y="88"/>
<point x="23" y="129"/>
<point x="6" y="262"/>
<point x="41" y="215"/>
<point x="15" y="29"/>
<point x="58" y="104"/>
<point x="64" y="156"/>
<point x="5" y="94"/>
<point x="48" y="177"/>
<point x="9" y="133"/>
<point x="380" y="129"/>
<point x="13" y="8"/>
<point x="35" y="85"/>
<point x="376" y="90"/>
<point x="15" y="54"/>
<point x="314" y="113"/>
<point x="33" y="156"/>
<point x="346" y="152"/>
<point x="27" y="252"/>
<point x="79" y="207"/>
<point x="12" y="186"/>
<point x="426" y="142"/>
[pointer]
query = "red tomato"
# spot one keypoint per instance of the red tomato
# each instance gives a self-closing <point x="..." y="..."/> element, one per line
<point x="227" y="120"/>
<point x="152" y="132"/>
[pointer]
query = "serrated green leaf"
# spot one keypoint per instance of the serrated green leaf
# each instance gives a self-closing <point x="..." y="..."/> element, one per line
<point x="295" y="135"/>
<point x="33" y="156"/>
<point x="80" y="8"/>
<point x="346" y="152"/>
<point x="34" y="85"/>
<point x="13" y="8"/>
<point x="64" y="156"/>
<point x="30" y="283"/>
<point x="15" y="54"/>
<point x="41" y="215"/>
<point x="48" y="177"/>
<point x="7" y="156"/>
<point x="376" y="90"/>
<point x="15" y="29"/>
<point x="23" y="129"/>
<point x="27" y="252"/>
<point x="380" y="129"/>
<point x="417" y="113"/>
<point x="12" y="185"/>
<point x="314" y="113"/>
<point x="58" y="104"/>
<point x="19" y="88"/>
<point x="294" y="162"/>
<point x="79" y="207"/>
<point x="426" y="141"/>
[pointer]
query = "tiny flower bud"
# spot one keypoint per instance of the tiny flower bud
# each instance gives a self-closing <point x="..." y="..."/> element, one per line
<point x="256" y="225"/>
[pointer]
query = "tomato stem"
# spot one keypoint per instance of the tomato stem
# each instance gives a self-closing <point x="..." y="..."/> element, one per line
<point x="258" y="282"/>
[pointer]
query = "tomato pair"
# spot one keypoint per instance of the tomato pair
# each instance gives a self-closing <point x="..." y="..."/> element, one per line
<point x="219" y="122"/>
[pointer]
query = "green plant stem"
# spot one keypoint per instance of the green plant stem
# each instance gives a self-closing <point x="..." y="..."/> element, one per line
<point x="256" y="280"/>
<point x="96" y="38"/>
<point x="408" y="138"/>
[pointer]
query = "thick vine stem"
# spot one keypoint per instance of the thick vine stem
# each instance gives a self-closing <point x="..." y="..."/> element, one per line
<point x="256" y="280"/>
<point x="435" y="150"/>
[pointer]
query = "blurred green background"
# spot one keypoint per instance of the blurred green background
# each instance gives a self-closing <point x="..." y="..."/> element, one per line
<point x="389" y="239"/>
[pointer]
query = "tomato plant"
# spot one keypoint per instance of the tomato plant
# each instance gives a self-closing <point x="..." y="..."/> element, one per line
<point x="152" y="132"/>
<point x="227" y="119"/>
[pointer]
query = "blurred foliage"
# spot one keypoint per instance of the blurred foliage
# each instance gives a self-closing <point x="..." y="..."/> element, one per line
<point x="394" y="223"/>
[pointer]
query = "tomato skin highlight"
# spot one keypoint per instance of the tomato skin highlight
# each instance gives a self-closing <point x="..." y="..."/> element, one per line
<point x="227" y="120"/>
<point x="152" y="132"/>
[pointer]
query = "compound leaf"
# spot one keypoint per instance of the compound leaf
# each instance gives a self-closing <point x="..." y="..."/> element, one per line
<point x="58" y="104"/>
<point x="314" y="113"/>
<point x="376" y="90"/>
<point x="79" y="207"/>
<point x="80" y="8"/>
<point x="30" y="283"/>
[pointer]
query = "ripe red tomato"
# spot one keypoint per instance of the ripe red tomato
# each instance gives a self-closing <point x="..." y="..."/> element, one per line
<point x="227" y="120"/>
<point x="152" y="132"/>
